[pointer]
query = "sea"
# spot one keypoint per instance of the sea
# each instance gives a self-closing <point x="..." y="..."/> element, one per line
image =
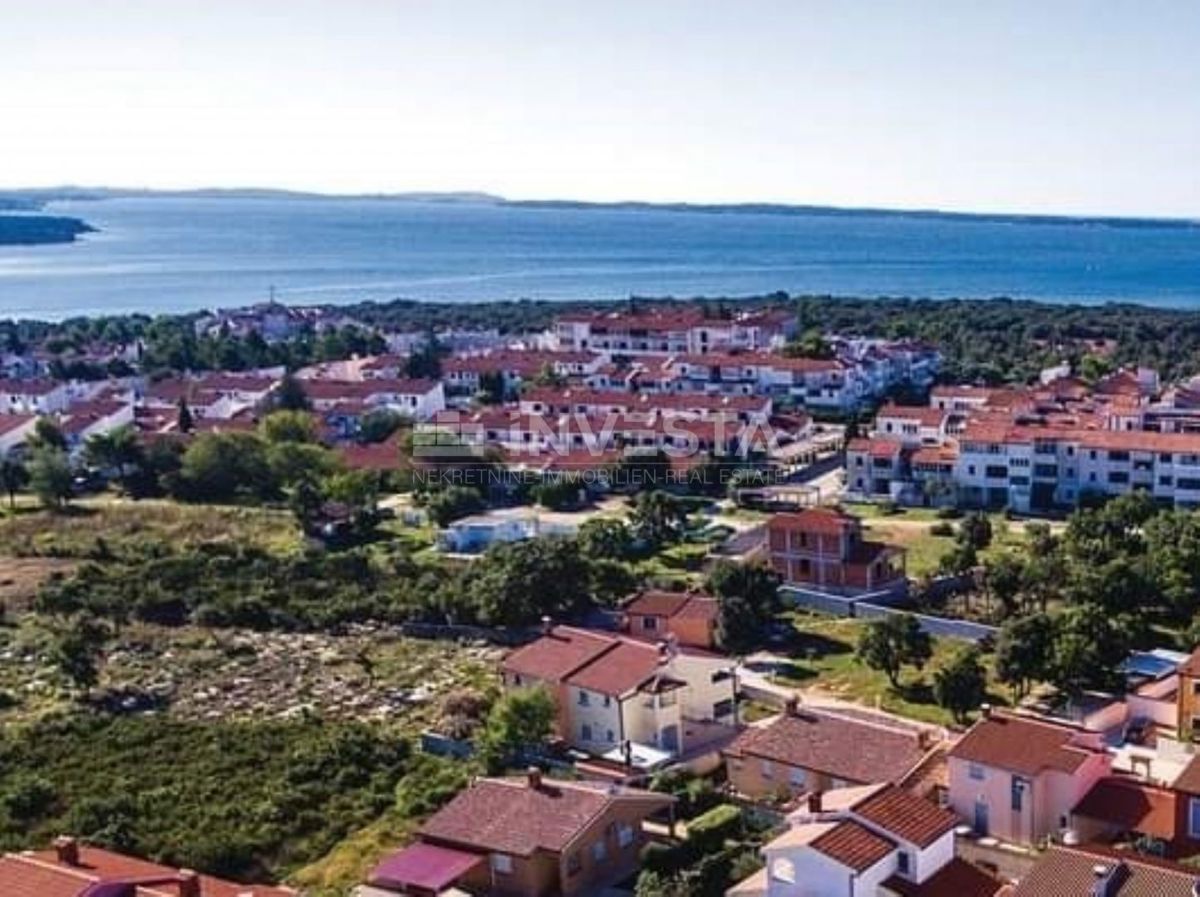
<point x="166" y="255"/>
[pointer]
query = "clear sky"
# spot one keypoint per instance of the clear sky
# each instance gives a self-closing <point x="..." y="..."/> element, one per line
<point x="1039" y="106"/>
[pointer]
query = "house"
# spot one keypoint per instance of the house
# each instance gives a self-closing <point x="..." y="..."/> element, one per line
<point x="809" y="749"/>
<point x="418" y="399"/>
<point x="689" y="616"/>
<point x="1186" y="788"/>
<point x="73" y="869"/>
<point x="1018" y="778"/>
<point x="478" y="532"/>
<point x="33" y="396"/>
<point x="865" y="842"/>
<point x="525" y="837"/>
<point x="15" y="430"/>
<point x="824" y="549"/>
<point x="1094" y="871"/>
<point x="613" y="690"/>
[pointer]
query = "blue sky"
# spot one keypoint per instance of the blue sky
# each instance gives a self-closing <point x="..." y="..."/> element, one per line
<point x="1039" y="106"/>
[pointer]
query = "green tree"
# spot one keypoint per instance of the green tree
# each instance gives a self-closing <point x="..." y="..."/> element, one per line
<point x="748" y="600"/>
<point x="450" y="503"/>
<point x="118" y="449"/>
<point x="893" y="641"/>
<point x="1089" y="646"/>
<point x="960" y="685"/>
<point x="50" y="476"/>
<point x="13" y="477"/>
<point x="291" y="462"/>
<point x="222" y="467"/>
<point x="975" y="531"/>
<point x="517" y="583"/>
<point x="1024" y="650"/>
<point x="491" y="388"/>
<point x="79" y="650"/>
<point x="184" y="422"/>
<point x="47" y="434"/>
<point x="380" y="424"/>
<point x="1004" y="578"/>
<point x="658" y="518"/>
<point x="519" y="720"/>
<point x="290" y="395"/>
<point x="643" y="470"/>
<point x="605" y="537"/>
<point x="288" y="426"/>
<point x="549" y="377"/>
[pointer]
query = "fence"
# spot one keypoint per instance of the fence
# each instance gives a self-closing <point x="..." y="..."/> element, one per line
<point x="881" y="604"/>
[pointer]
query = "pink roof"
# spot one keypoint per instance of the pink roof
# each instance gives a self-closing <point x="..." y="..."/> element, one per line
<point x="11" y="422"/>
<point x="425" y="866"/>
<point x="28" y="387"/>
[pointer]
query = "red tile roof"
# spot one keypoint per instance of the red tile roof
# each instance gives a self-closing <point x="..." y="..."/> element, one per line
<point x="1131" y="806"/>
<point x="853" y="845"/>
<point x="1071" y="872"/>
<point x="957" y="878"/>
<point x="42" y="875"/>
<point x="828" y="521"/>
<point x="424" y="866"/>
<point x="11" y="422"/>
<point x="844" y="747"/>
<point x="555" y="656"/>
<point x="925" y="415"/>
<point x="1189" y="780"/>
<point x="905" y="816"/>
<point x="512" y="816"/>
<point x="619" y="670"/>
<point x="875" y="446"/>
<point x="658" y="603"/>
<point x="1022" y="745"/>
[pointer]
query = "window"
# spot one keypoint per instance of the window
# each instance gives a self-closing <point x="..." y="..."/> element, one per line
<point x="722" y="709"/>
<point x="1194" y="817"/>
<point x="649" y="622"/>
<point x="574" y="863"/>
<point x="624" y="834"/>
<point x="904" y="863"/>
<point x="608" y="736"/>
<point x="975" y="771"/>
<point x="796" y="777"/>
<point x="502" y="863"/>
<point x="584" y="699"/>
<point x="599" y="851"/>
<point x="607" y="701"/>
<point x="585" y="732"/>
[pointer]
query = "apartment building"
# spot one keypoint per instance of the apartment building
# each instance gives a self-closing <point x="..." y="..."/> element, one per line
<point x="612" y="689"/>
<point x="672" y="330"/>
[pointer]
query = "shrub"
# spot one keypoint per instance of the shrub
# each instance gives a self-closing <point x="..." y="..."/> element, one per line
<point x="944" y="528"/>
<point x="708" y="832"/>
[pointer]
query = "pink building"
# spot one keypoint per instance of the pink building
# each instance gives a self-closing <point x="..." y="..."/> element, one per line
<point x="1018" y="778"/>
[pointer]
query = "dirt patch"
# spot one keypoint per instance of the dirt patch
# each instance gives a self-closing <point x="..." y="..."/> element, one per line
<point x="20" y="578"/>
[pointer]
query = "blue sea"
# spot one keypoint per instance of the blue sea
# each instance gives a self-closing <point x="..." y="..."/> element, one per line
<point x="171" y="254"/>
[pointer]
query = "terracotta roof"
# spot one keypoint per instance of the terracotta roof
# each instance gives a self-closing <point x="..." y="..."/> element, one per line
<point x="29" y="387"/>
<point x="853" y="845"/>
<point x="875" y="446"/>
<point x="42" y="875"/>
<point x="1022" y="745"/>
<point x="829" y="521"/>
<point x="1131" y="806"/>
<point x="512" y="816"/>
<point x="555" y="656"/>
<point x="957" y="878"/>
<point x="619" y="670"/>
<point x="852" y="749"/>
<point x="1189" y="779"/>
<point x="11" y="422"/>
<point x="657" y="603"/>
<point x="925" y="415"/>
<point x="905" y="816"/>
<point x="1071" y="872"/>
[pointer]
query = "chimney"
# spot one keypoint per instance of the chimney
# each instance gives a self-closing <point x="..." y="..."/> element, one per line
<point x="534" y="776"/>
<point x="546" y="626"/>
<point x="189" y="883"/>
<point x="792" y="705"/>
<point x="985" y="711"/>
<point x="67" y="849"/>
<point x="664" y="651"/>
<point x="814" y="802"/>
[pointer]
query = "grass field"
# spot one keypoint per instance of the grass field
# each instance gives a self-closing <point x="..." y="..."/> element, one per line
<point x="824" y="659"/>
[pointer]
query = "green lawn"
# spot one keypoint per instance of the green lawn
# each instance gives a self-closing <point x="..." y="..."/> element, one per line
<point x="824" y="659"/>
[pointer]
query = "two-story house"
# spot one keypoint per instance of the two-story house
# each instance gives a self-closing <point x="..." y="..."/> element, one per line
<point x="689" y="616"/>
<point x="525" y="837"/>
<point x="824" y="549"/>
<point x="1018" y="778"/>
<point x="870" y="841"/>
<point x="612" y="689"/>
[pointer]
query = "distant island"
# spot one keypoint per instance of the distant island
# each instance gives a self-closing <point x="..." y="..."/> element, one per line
<point x="37" y="230"/>
<point x="39" y="196"/>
